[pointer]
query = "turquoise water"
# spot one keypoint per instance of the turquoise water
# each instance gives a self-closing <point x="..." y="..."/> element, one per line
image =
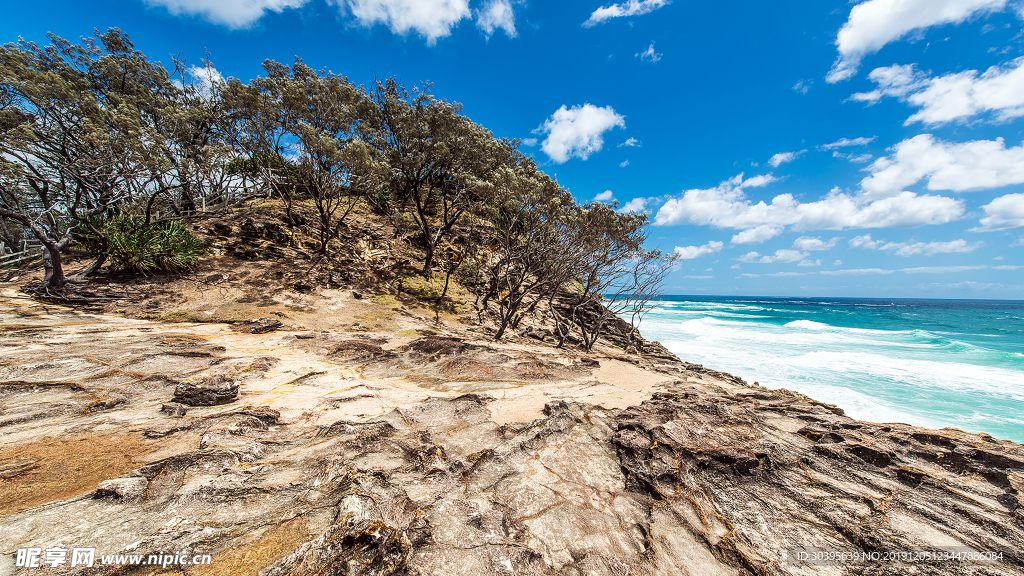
<point x="934" y="363"/>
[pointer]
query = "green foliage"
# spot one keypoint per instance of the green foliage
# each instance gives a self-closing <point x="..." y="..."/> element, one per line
<point x="132" y="245"/>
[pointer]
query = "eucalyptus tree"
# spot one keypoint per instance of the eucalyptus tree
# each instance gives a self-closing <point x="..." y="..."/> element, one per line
<point x="325" y="113"/>
<point x="610" y="261"/>
<point x="526" y="217"/>
<point x="430" y="160"/>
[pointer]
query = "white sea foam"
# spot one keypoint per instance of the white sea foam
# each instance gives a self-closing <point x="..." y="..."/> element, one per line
<point x="914" y="376"/>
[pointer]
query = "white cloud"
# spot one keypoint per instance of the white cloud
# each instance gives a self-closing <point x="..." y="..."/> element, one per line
<point x="776" y="275"/>
<point x="975" y="165"/>
<point x="783" y="157"/>
<point x="837" y="263"/>
<point x="783" y="256"/>
<point x="847" y="142"/>
<point x="634" y="205"/>
<point x="624" y="163"/>
<point x="907" y="249"/>
<point x="604" y="196"/>
<point x="855" y="158"/>
<point x="529" y="141"/>
<point x="808" y="244"/>
<point x="691" y="252"/>
<point x="856" y="272"/>
<point x="203" y="79"/>
<point x="576" y="132"/>
<point x="940" y="269"/>
<point x="803" y="86"/>
<point x="629" y="8"/>
<point x="231" y="13"/>
<point x="497" y="14"/>
<point x="650" y="55"/>
<point x="896" y="81"/>
<point x="432" y="19"/>
<point x="631" y="142"/>
<point x="757" y="235"/>
<point x="1003" y="213"/>
<point x="875" y="23"/>
<point x="953" y="97"/>
<point x="727" y="206"/>
<point x="808" y="262"/>
<point x="1018" y="242"/>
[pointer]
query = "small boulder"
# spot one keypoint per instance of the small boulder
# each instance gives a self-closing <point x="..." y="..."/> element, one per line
<point x="264" y="325"/>
<point x="207" y="392"/>
<point x="128" y="489"/>
<point x="174" y="409"/>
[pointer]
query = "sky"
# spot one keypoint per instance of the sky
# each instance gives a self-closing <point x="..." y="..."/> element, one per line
<point x="798" y="148"/>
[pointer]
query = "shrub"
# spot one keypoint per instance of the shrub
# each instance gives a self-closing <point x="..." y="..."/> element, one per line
<point x="132" y="245"/>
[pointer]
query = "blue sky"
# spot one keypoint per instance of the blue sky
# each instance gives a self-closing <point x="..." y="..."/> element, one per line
<point x="806" y="147"/>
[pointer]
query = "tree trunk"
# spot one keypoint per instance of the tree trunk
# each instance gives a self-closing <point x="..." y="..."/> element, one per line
<point x="53" y="266"/>
<point x="90" y="270"/>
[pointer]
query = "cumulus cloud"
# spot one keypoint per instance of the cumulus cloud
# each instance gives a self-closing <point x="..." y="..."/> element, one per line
<point x="576" y="132"/>
<point x="847" y="142"/>
<point x="630" y="8"/>
<point x="907" y="249"/>
<point x="649" y="55"/>
<point x="727" y="206"/>
<point x="975" y="165"/>
<point x="1003" y="213"/>
<point x="631" y="142"/>
<point x="837" y="263"/>
<point x="604" y="196"/>
<point x="896" y="81"/>
<point x="431" y="19"/>
<point x="634" y="205"/>
<point x="953" y="97"/>
<point x="231" y="13"/>
<point x="529" y="141"/>
<point x="875" y="23"/>
<point x="809" y="244"/>
<point x="624" y="163"/>
<point x="691" y="252"/>
<point x="757" y="235"/>
<point x="808" y="262"/>
<point x="783" y="157"/>
<point x="783" y="256"/>
<point x="497" y="15"/>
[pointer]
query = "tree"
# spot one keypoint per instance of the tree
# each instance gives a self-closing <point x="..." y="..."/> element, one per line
<point x="527" y="256"/>
<point x="431" y="159"/>
<point x="73" y="149"/>
<point x="324" y="112"/>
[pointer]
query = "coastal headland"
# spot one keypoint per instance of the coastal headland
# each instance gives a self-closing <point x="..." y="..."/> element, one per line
<point x="282" y="423"/>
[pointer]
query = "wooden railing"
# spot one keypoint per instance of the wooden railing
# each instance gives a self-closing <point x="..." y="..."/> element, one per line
<point x="28" y="251"/>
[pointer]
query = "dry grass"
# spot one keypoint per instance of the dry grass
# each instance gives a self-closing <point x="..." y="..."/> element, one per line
<point x="56" y="468"/>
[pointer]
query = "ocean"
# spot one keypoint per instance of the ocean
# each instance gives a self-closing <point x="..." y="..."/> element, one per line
<point x="933" y="363"/>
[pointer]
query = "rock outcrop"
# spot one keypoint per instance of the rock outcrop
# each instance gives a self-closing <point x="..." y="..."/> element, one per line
<point x="346" y="456"/>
